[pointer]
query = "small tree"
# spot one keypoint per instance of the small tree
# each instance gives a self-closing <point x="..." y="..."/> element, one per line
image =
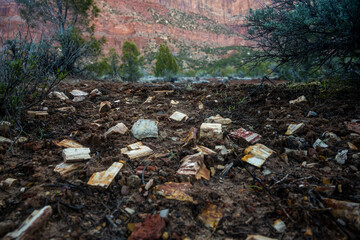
<point x="114" y="60"/>
<point x="29" y="71"/>
<point x="165" y="62"/>
<point x="322" y="32"/>
<point x="104" y="67"/>
<point x="68" y="22"/>
<point x="131" y="62"/>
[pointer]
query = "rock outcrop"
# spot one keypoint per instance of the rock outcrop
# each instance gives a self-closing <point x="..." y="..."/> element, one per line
<point x="180" y="23"/>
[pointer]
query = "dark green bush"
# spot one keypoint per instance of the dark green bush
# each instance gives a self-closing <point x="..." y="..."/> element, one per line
<point x="308" y="34"/>
<point x="29" y="71"/>
<point x="166" y="65"/>
<point x="131" y="62"/>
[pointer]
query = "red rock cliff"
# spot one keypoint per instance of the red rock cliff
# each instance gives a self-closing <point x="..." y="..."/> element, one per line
<point x="9" y="17"/>
<point x="181" y="23"/>
<point x="221" y="10"/>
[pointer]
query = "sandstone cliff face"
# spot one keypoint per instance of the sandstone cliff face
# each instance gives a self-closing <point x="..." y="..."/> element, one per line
<point x="9" y="17"/>
<point x="195" y="22"/>
<point x="222" y="10"/>
<point x="185" y="25"/>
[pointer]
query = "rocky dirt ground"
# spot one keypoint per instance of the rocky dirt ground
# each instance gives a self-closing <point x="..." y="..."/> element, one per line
<point x="291" y="196"/>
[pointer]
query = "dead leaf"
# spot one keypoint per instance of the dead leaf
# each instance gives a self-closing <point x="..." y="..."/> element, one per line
<point x="191" y="137"/>
<point x="211" y="216"/>
<point x="177" y="191"/>
<point x="68" y="144"/>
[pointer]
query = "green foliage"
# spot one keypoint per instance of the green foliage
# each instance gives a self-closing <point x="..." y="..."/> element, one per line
<point x="99" y="68"/>
<point x="114" y="60"/>
<point x="189" y="21"/>
<point x="330" y="87"/>
<point x="165" y="62"/>
<point x="228" y="71"/>
<point x="75" y="48"/>
<point x="131" y="62"/>
<point x="106" y="66"/>
<point x="311" y="34"/>
<point x="58" y="15"/>
<point x="69" y="25"/>
<point x="236" y="65"/>
<point x="28" y="72"/>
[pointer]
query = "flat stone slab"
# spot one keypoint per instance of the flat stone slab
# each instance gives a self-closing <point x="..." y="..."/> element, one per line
<point x="145" y="128"/>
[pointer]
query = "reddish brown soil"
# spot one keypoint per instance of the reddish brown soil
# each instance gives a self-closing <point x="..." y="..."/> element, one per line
<point x="250" y="204"/>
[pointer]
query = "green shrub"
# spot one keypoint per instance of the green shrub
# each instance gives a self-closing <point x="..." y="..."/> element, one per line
<point x="323" y="33"/>
<point x="105" y="67"/>
<point x="28" y="73"/>
<point x="131" y="62"/>
<point x="69" y="25"/>
<point x="166" y="65"/>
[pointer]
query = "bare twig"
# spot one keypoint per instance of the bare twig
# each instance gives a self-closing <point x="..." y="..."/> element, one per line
<point x="268" y="191"/>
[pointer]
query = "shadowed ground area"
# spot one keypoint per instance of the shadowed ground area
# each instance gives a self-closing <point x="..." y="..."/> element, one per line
<point x="292" y="185"/>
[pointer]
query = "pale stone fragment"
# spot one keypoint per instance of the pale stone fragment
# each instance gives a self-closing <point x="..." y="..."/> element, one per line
<point x="149" y="99"/>
<point x="59" y="95"/>
<point x="298" y="100"/>
<point x="118" y="128"/>
<point x="204" y="150"/>
<point x="104" y="178"/>
<point x="76" y="154"/>
<point x="294" y="128"/>
<point x="136" y="150"/>
<point x="222" y="149"/>
<point x="10" y="181"/>
<point x="211" y="131"/>
<point x="218" y="119"/>
<point x="349" y="211"/>
<point x="279" y="226"/>
<point x="145" y="128"/>
<point x="178" y="116"/>
<point x="31" y="224"/>
<point x="78" y="93"/>
<point x="67" y="109"/>
<point x="95" y="92"/>
<point x="68" y="143"/>
<point x="8" y="140"/>
<point x="78" y="99"/>
<point x="65" y="168"/>
<point x="257" y="154"/>
<point x="38" y="113"/>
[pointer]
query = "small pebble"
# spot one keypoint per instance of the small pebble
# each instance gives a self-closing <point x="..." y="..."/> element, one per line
<point x="134" y="181"/>
<point x="312" y="114"/>
<point x="130" y="211"/>
<point x="164" y="213"/>
<point x="10" y="181"/>
<point x="149" y="184"/>
<point x="279" y="226"/>
<point x="340" y="221"/>
<point x="163" y="173"/>
<point x="266" y="172"/>
<point x="353" y="168"/>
